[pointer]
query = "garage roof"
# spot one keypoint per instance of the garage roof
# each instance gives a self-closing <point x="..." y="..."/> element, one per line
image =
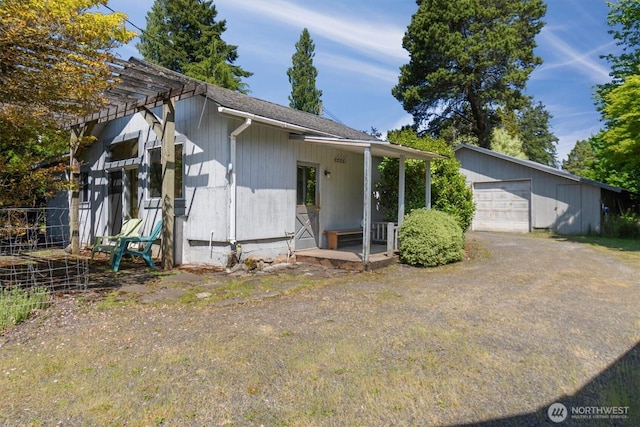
<point x="538" y="166"/>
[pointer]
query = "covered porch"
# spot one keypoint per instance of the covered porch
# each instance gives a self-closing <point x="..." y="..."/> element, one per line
<point x="382" y="251"/>
<point x="380" y="243"/>
<point x="348" y="257"/>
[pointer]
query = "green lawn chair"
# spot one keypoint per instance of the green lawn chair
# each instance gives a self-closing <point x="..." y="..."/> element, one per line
<point x="122" y="247"/>
<point x="107" y="244"/>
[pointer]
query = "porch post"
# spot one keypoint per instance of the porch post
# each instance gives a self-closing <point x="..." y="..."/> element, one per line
<point x="366" y="222"/>
<point x="401" y="179"/>
<point x="427" y="198"/>
<point x="168" y="182"/>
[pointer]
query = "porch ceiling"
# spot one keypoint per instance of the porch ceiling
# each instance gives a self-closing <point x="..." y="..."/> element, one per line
<point x="378" y="148"/>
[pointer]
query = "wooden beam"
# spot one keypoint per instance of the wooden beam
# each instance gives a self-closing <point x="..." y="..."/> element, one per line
<point x="168" y="183"/>
<point x="75" y="150"/>
<point x="153" y="121"/>
<point x="116" y="109"/>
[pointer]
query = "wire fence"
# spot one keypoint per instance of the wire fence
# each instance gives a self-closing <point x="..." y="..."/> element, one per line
<point x="34" y="253"/>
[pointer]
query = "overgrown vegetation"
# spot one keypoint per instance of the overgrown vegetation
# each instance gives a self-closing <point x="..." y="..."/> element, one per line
<point x="430" y="238"/>
<point x="449" y="191"/>
<point x="55" y="66"/>
<point x="17" y="304"/>
<point x="624" y="226"/>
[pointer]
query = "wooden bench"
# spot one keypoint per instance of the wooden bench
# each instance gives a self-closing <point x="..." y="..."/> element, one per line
<point x="336" y="237"/>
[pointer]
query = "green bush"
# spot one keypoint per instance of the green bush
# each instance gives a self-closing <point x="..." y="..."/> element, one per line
<point x="16" y="304"/>
<point x="625" y="226"/>
<point x="449" y="191"/>
<point x="430" y="238"/>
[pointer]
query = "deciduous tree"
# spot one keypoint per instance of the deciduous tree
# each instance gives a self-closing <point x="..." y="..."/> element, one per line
<point x="504" y="143"/>
<point x="54" y="65"/>
<point x="624" y="22"/>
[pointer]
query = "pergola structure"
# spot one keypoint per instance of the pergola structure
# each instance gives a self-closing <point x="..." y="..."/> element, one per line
<point x="140" y="87"/>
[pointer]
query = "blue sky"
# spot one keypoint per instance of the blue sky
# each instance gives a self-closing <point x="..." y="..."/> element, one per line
<point x="358" y="47"/>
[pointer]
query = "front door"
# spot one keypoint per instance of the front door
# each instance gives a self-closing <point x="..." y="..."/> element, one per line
<point x="307" y="207"/>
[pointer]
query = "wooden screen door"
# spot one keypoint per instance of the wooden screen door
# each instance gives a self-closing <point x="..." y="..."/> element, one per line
<point x="307" y="207"/>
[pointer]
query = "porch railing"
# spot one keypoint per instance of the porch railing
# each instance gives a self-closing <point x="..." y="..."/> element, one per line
<point x="385" y="232"/>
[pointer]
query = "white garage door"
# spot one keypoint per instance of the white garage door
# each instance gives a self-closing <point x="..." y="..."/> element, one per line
<point x="502" y="206"/>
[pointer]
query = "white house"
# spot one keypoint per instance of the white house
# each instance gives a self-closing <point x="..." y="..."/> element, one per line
<point x="245" y="171"/>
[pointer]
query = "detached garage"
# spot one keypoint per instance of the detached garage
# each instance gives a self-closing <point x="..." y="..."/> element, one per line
<point x="518" y="195"/>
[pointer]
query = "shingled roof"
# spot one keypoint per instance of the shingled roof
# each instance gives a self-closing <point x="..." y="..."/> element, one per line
<point x="145" y="85"/>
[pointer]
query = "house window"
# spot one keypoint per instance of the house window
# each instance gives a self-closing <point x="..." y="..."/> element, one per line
<point x="124" y="150"/>
<point x="306" y="185"/>
<point x="84" y="186"/>
<point x="155" y="172"/>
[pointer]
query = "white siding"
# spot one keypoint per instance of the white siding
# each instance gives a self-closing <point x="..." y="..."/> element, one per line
<point x="480" y="167"/>
<point x="266" y="183"/>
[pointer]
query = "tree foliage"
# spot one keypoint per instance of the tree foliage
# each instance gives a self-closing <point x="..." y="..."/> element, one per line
<point x="538" y="142"/>
<point x="54" y="66"/>
<point x="467" y="59"/>
<point x="302" y="76"/>
<point x="184" y="36"/>
<point x="580" y="160"/>
<point x="504" y="143"/>
<point x="616" y="148"/>
<point x="624" y="22"/>
<point x="621" y="138"/>
<point x="449" y="191"/>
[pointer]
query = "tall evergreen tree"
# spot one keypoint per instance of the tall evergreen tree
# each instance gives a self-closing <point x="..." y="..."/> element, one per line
<point x="531" y="125"/>
<point x="580" y="160"/>
<point x="467" y="59"/>
<point x="302" y="76"/>
<point x="184" y="36"/>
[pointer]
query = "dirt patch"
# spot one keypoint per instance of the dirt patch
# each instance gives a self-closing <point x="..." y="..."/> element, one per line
<point x="495" y="339"/>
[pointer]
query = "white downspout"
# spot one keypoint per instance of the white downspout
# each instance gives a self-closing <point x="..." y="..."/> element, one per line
<point x="232" y="178"/>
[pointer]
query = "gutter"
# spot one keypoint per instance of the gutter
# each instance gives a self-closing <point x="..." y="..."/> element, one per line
<point x="231" y="170"/>
<point x="272" y="122"/>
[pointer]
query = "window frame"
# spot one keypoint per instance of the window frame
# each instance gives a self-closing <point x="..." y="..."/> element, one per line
<point x="152" y="170"/>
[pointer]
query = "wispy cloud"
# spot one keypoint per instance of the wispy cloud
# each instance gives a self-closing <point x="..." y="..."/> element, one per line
<point x="374" y="39"/>
<point x="585" y="63"/>
<point x="362" y="68"/>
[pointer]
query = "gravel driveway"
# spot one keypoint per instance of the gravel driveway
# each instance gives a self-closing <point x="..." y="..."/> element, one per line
<point x="496" y="339"/>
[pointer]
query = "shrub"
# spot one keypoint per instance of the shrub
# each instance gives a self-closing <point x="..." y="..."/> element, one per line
<point x="449" y="191"/>
<point x="625" y="226"/>
<point x="16" y="305"/>
<point x="430" y="238"/>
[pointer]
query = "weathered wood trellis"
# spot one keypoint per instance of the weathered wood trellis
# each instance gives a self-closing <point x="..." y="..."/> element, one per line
<point x="140" y="88"/>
